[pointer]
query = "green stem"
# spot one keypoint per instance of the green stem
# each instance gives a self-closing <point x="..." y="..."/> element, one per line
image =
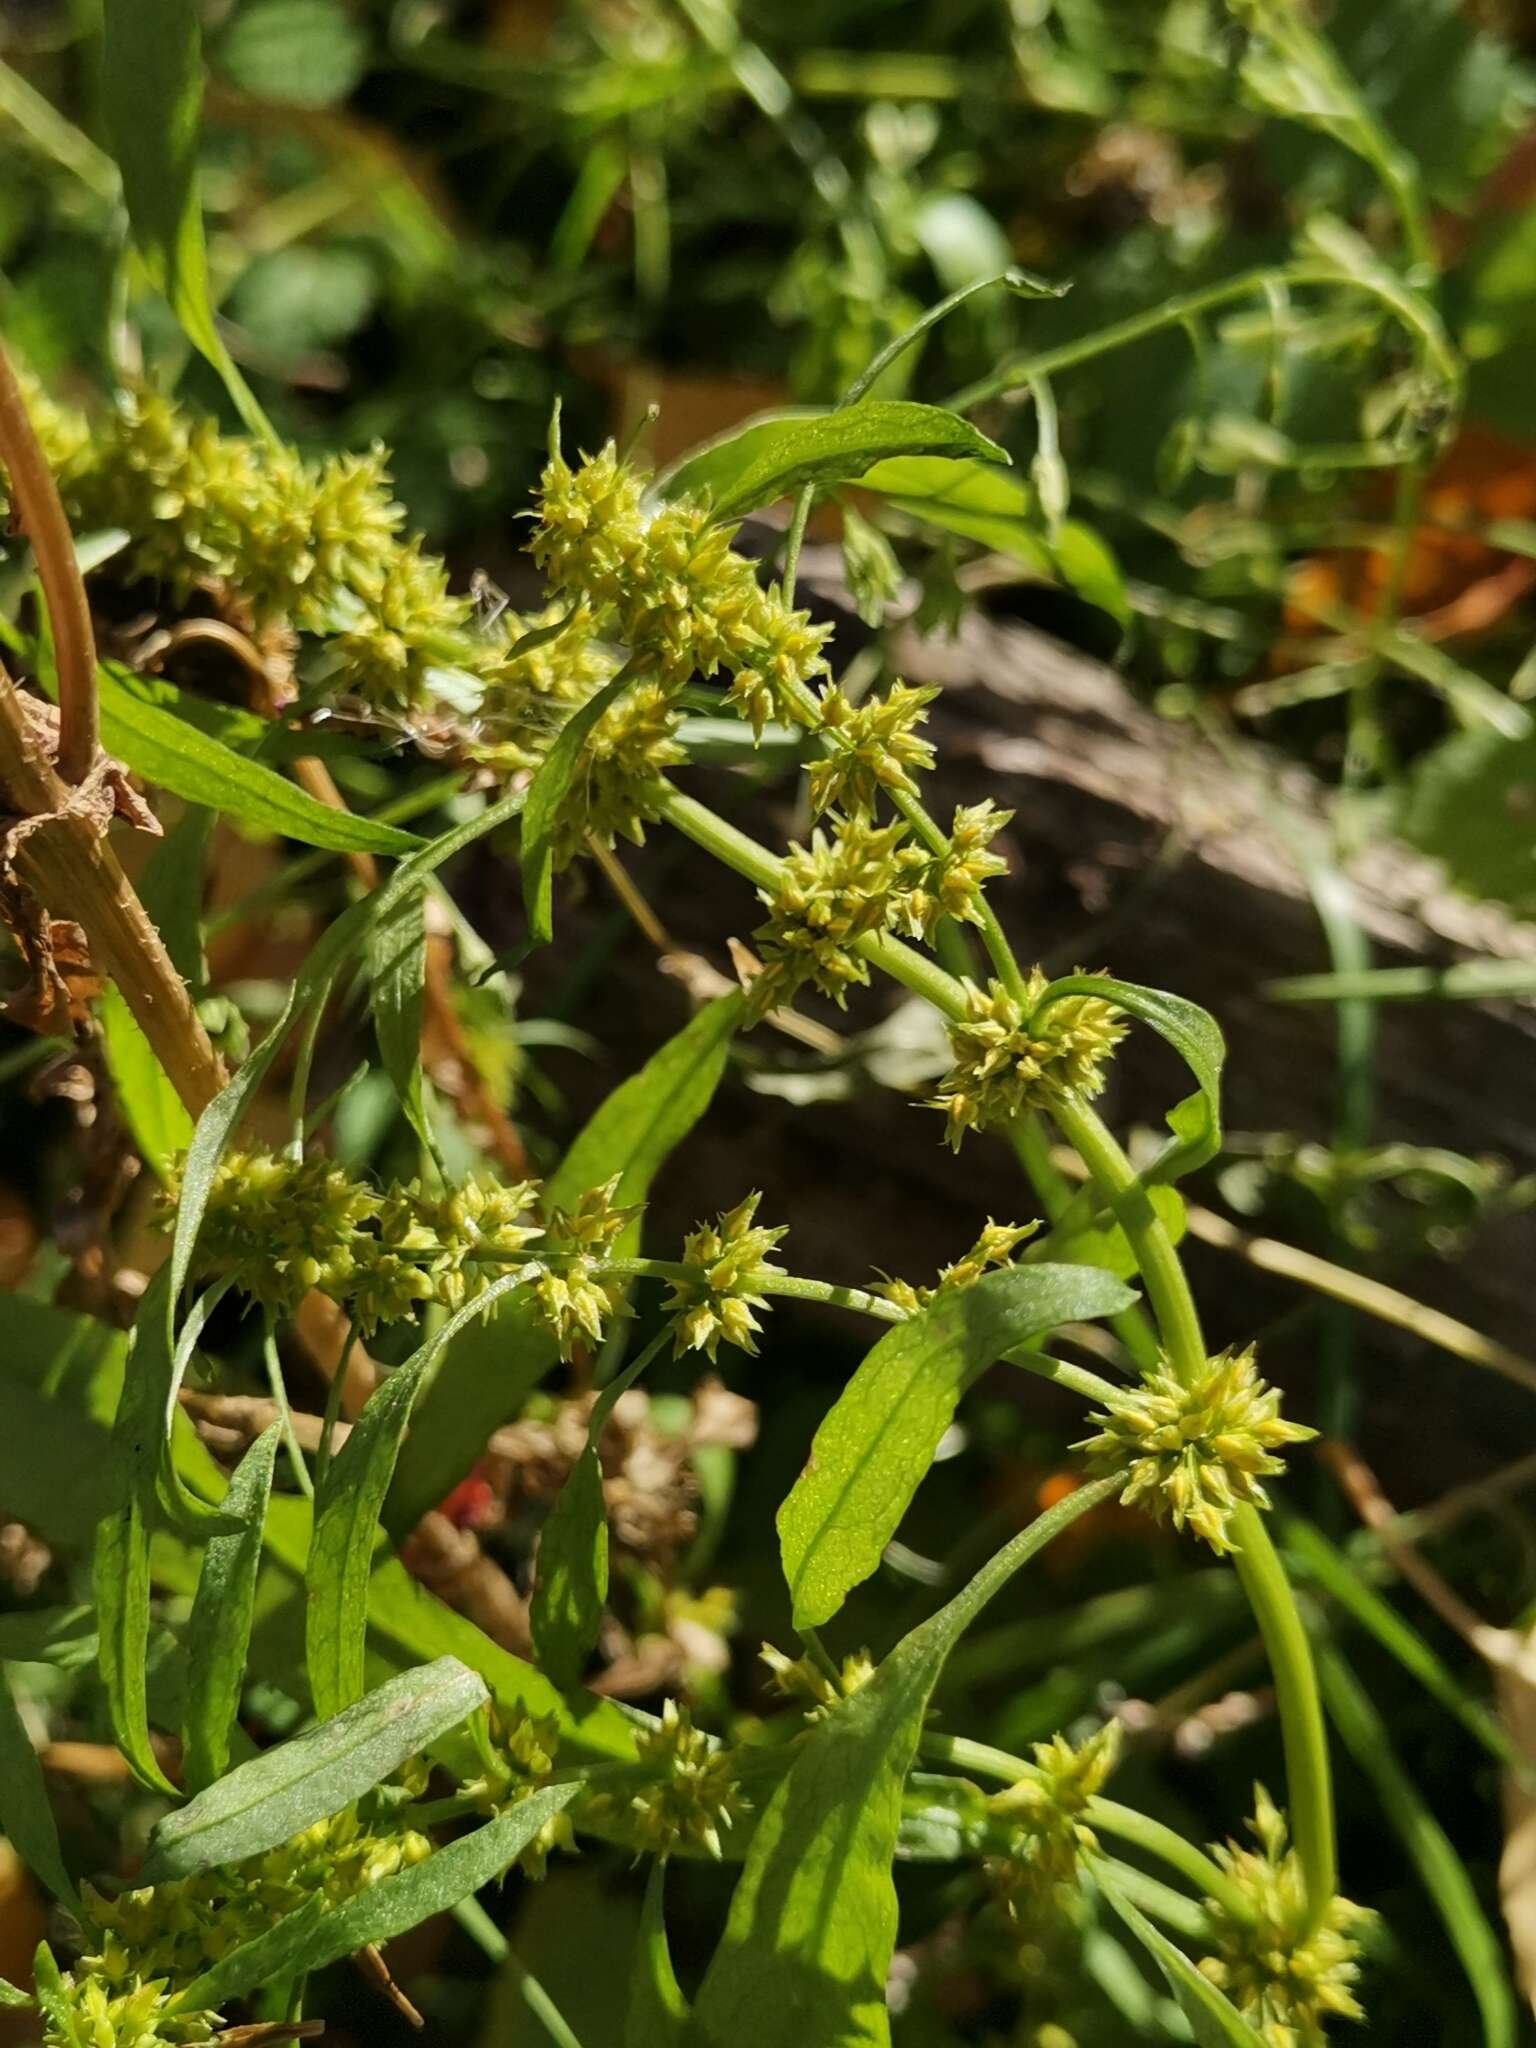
<point x="482" y="1930"/>
<point x="1167" y="1288"/>
<point x="333" y="1394"/>
<point x="285" y="1414"/>
<point x="1303" y="1730"/>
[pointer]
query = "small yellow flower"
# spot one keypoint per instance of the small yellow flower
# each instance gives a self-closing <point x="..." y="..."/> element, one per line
<point x="1040" y="1819"/>
<point x="1010" y="1057"/>
<point x="719" y="1303"/>
<point x="1196" y="1452"/>
<point x="830" y="895"/>
<point x="690" y="1795"/>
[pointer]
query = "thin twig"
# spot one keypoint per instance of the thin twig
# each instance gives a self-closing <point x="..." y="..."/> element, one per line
<point x="37" y="508"/>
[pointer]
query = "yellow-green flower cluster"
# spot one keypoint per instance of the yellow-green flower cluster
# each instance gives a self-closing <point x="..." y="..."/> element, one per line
<point x="995" y="1247"/>
<point x="719" y="1302"/>
<point x="145" y="1946"/>
<point x="803" y="1680"/>
<point x="1196" y="1452"/>
<point x="1287" y="1978"/>
<point x="1041" y="1819"/>
<point x="670" y="585"/>
<point x="949" y="884"/>
<point x="528" y="692"/>
<point x="277" y="1226"/>
<point x="574" y="1295"/>
<point x="517" y="1758"/>
<point x="689" y="1795"/>
<point x="1012" y="1056"/>
<point x="829" y="895"/>
<point x="877" y="747"/>
<point x="620" y="784"/>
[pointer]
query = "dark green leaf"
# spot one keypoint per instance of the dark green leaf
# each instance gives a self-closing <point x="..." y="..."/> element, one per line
<point x="571" y="1589"/>
<point x="782" y="452"/>
<point x="1467" y="805"/>
<point x="347" y="1518"/>
<point x="308" y="1940"/>
<point x="25" y="1815"/>
<point x="219" y="1628"/>
<point x="151" y="78"/>
<point x="657" y="2015"/>
<point x="1213" y="2020"/>
<point x="807" y="1948"/>
<point x="173" y="753"/>
<point x="171" y="890"/>
<point x="141" y="1433"/>
<point x="489" y="1374"/>
<point x="121" y="1586"/>
<point x="878" y="1441"/>
<point x="151" y="1108"/>
<point x="546" y="793"/>
<point x="396" y="956"/>
<point x="65" y="1636"/>
<point x="1426" y="1845"/>
<point x="1194" y="1035"/>
<point x="284" y="1790"/>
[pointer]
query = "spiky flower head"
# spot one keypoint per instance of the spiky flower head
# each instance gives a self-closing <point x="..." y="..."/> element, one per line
<point x="829" y="895"/>
<point x="474" y="1231"/>
<point x="995" y="1247"/>
<point x="620" y="781"/>
<point x="574" y="1295"/>
<point x="1286" y="1977"/>
<point x="1041" y="1819"/>
<point x="718" y="1302"/>
<point x="690" y="1793"/>
<point x="1010" y="1057"/>
<point x="96" y="2014"/>
<point x="949" y="884"/>
<point x="817" y="1692"/>
<point x="527" y="693"/>
<point x="1196" y="1451"/>
<point x="517" y="1757"/>
<point x="876" y="747"/>
<point x="278" y="1226"/>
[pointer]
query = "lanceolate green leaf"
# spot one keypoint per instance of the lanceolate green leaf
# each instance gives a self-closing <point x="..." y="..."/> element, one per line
<point x="121" y="1586"/>
<point x="26" y="1818"/>
<point x="219" y="1629"/>
<point x="546" y="793"/>
<point x="396" y="956"/>
<point x="807" y="1948"/>
<point x="1194" y="1035"/>
<point x="141" y="1433"/>
<point x="485" y="1379"/>
<point x="657" y="2015"/>
<point x="177" y="755"/>
<point x="1213" y="2019"/>
<point x="151" y="1107"/>
<point x="286" y="1789"/>
<point x="308" y="1940"/>
<point x="152" y="85"/>
<point x="347" y="1519"/>
<point x="770" y="457"/>
<point x="977" y="500"/>
<point x="572" y="1584"/>
<point x="878" y="1441"/>
<point x="1426" y="1845"/>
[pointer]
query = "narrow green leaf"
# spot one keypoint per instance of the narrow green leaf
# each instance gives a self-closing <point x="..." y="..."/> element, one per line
<point x="1465" y="981"/>
<point x="151" y="1108"/>
<point x="782" y="452"/>
<point x="120" y="1582"/>
<point x="396" y="956"/>
<point x="171" y="889"/>
<point x="874" y="1447"/>
<point x="347" y="1518"/>
<point x="170" y="751"/>
<point x="1194" y="1035"/>
<point x="152" y="88"/>
<point x="487" y="1377"/>
<point x="141" y="1433"/>
<point x="65" y="1636"/>
<point x="284" y="1790"/>
<point x="50" y="1995"/>
<point x="219" y="1628"/>
<point x="25" y="1814"/>
<point x="14" y="1999"/>
<point x="1307" y="1546"/>
<point x="977" y="500"/>
<point x="1426" y="1845"/>
<point x="807" y="1947"/>
<point x="571" y="1589"/>
<point x="546" y="793"/>
<point x="1214" y="2021"/>
<point x="657" y="2013"/>
<point x="308" y="1940"/>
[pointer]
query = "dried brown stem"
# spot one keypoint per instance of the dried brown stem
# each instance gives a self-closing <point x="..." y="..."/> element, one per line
<point x="37" y="508"/>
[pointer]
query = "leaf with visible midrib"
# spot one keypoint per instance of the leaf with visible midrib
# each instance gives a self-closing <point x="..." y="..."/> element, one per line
<point x="396" y="954"/>
<point x="878" y="1441"/>
<point x="312" y="1937"/>
<point x="219" y="1628"/>
<point x="808" y="1944"/>
<point x="1213" y="2020"/>
<point x="769" y="457"/>
<point x="25" y="1815"/>
<point x="284" y="1790"/>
